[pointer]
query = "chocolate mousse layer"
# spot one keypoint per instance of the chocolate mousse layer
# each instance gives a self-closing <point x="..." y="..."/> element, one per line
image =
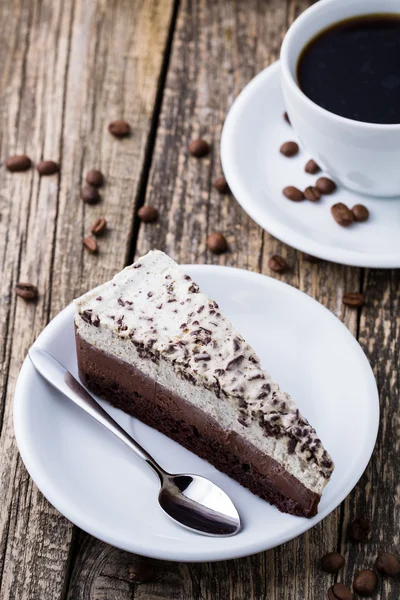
<point x="127" y="388"/>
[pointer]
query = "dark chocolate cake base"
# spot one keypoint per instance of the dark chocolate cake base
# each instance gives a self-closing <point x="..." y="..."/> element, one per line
<point x="126" y="387"/>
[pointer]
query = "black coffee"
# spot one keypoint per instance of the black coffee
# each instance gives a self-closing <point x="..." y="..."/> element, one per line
<point x="353" y="68"/>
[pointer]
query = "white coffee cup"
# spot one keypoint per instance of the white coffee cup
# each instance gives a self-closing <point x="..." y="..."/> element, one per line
<point x="364" y="157"/>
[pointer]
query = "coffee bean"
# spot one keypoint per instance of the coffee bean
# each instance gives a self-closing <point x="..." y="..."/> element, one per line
<point x="47" y="167"/>
<point x="293" y="193"/>
<point x="359" y="529"/>
<point x="339" y="591"/>
<point x="141" y="573"/>
<point x="360" y="212"/>
<point x="90" y="194"/>
<point x="27" y="291"/>
<point x="119" y="128"/>
<point x="147" y="214"/>
<point x="199" y="148"/>
<point x="311" y="167"/>
<point x="90" y="245"/>
<point x="216" y="243"/>
<point x="286" y="117"/>
<point x="310" y="258"/>
<point x="221" y="185"/>
<point x="354" y="299"/>
<point x="325" y="185"/>
<point x="342" y="214"/>
<point x="365" y="582"/>
<point x="312" y="193"/>
<point x="278" y="264"/>
<point x="95" y="178"/>
<point x="289" y="148"/>
<point x="332" y="562"/>
<point x="98" y="226"/>
<point x="388" y="564"/>
<point x="18" y="163"/>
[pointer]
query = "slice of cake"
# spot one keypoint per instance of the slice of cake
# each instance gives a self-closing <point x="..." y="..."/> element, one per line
<point x="153" y="345"/>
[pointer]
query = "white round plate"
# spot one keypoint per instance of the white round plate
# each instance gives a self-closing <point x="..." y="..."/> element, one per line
<point x="99" y="485"/>
<point x="257" y="172"/>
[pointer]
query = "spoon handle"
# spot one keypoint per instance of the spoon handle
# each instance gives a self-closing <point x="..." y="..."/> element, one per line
<point x="63" y="381"/>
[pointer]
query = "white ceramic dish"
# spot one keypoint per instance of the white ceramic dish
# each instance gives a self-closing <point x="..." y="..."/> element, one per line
<point x="99" y="485"/>
<point x="256" y="172"/>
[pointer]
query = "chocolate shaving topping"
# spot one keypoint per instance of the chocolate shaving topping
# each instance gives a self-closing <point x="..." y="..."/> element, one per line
<point x="206" y="330"/>
<point x="137" y="265"/>
<point x="234" y="362"/>
<point x="256" y="376"/>
<point x="202" y="356"/>
<point x="121" y="302"/>
<point x="236" y="344"/>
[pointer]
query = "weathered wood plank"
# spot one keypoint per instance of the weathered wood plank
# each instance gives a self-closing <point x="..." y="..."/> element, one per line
<point x="218" y="47"/>
<point x="68" y="68"/>
<point x="378" y="493"/>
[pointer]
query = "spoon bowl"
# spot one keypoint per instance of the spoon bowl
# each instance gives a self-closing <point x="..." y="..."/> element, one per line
<point x="198" y="504"/>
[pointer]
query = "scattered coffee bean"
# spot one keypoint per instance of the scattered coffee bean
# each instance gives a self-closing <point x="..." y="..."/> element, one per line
<point x="119" y="128"/>
<point x="365" y="582"/>
<point x="332" y="562"/>
<point x="221" y="185"/>
<point x="354" y="299"/>
<point x="90" y="244"/>
<point x="293" y="193"/>
<point x="388" y="564"/>
<point x="95" y="178"/>
<point x="310" y="258"/>
<point x="359" y="529"/>
<point x="339" y="591"/>
<point x="47" y="167"/>
<point x="90" y="194"/>
<point x="360" y="212"/>
<point x="216" y="243"/>
<point x="289" y="148"/>
<point x="278" y="264"/>
<point x="147" y="214"/>
<point x="98" y="226"/>
<point x="311" y="167"/>
<point x="286" y="117"/>
<point x="199" y="148"/>
<point x="312" y="193"/>
<point x="142" y="573"/>
<point x="27" y="291"/>
<point x="20" y="162"/>
<point x="342" y="214"/>
<point x="325" y="185"/>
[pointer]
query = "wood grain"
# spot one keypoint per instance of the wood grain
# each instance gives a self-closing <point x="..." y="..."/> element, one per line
<point x="68" y="68"/>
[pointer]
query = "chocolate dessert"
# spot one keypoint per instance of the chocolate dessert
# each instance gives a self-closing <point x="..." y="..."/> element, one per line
<point x="154" y="346"/>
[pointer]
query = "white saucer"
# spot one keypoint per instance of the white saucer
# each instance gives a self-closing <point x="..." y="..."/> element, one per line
<point x="257" y="172"/>
<point x="99" y="485"/>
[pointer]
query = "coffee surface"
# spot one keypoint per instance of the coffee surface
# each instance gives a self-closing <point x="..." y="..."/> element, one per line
<point x="352" y="68"/>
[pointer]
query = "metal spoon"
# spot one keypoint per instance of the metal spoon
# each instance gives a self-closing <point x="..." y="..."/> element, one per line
<point x="190" y="500"/>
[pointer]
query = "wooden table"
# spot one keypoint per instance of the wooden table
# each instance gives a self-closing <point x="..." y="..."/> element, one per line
<point x="172" y="69"/>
